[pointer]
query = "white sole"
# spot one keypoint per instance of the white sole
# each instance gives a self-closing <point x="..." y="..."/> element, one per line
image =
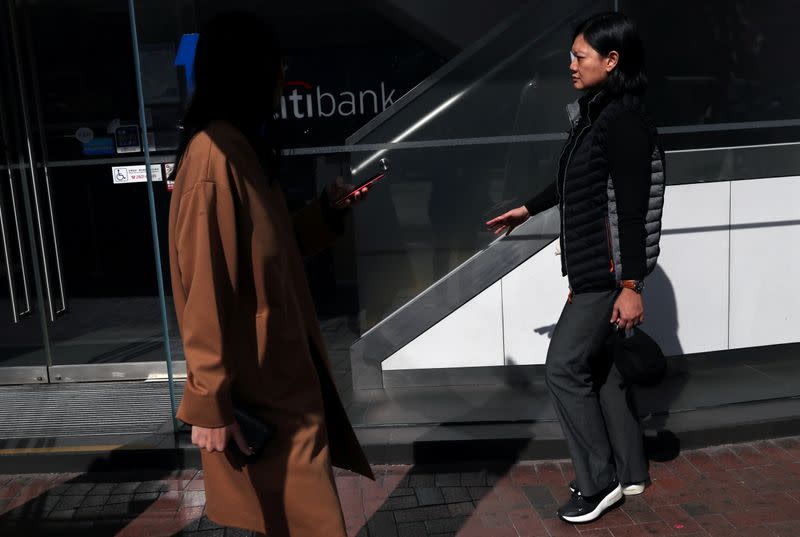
<point x="630" y="490"/>
<point x="612" y="498"/>
<point x="633" y="490"/>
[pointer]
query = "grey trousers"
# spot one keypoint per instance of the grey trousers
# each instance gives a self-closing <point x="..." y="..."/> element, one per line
<point x="592" y="404"/>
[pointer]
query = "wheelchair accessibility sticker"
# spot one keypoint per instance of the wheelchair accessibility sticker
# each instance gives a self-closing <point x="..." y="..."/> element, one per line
<point x="135" y="174"/>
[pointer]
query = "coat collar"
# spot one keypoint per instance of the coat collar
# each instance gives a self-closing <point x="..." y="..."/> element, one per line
<point x="593" y="104"/>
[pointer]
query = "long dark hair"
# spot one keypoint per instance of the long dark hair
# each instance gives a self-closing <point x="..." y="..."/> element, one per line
<point x="614" y="31"/>
<point x="237" y="69"/>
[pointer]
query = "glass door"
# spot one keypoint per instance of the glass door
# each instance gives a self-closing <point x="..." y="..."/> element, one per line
<point x="23" y="353"/>
<point x="79" y="298"/>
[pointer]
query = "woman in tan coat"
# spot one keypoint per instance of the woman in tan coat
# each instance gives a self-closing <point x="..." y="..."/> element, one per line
<point x="249" y="328"/>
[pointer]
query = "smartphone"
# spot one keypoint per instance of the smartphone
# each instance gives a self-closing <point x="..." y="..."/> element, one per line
<point x="383" y="165"/>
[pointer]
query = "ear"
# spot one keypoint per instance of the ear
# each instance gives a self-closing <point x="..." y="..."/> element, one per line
<point x="611" y="61"/>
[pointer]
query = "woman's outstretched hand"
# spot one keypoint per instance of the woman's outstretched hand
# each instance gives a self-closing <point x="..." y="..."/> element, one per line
<point x="508" y="221"/>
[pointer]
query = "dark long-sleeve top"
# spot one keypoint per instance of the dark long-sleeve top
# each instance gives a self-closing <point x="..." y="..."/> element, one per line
<point x="628" y="155"/>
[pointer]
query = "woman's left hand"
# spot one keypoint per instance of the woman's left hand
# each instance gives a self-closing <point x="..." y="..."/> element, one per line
<point x="628" y="310"/>
<point x="339" y="189"/>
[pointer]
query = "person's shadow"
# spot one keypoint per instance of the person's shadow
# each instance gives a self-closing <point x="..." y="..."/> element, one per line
<point x="653" y="404"/>
<point x="115" y="494"/>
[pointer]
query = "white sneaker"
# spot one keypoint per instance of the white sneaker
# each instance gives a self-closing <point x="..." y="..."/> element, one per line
<point x="633" y="489"/>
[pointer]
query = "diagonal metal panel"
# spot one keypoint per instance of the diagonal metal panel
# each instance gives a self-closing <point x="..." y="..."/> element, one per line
<point x="448" y="294"/>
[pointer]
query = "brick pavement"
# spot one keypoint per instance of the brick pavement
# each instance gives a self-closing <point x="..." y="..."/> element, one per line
<point x="744" y="490"/>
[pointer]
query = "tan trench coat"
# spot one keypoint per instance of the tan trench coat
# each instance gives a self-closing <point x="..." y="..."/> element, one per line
<point x="250" y="332"/>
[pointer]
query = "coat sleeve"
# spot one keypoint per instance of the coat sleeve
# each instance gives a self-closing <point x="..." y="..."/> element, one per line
<point x="206" y="245"/>
<point x="317" y="226"/>
<point x="543" y="200"/>
<point x="629" y="148"/>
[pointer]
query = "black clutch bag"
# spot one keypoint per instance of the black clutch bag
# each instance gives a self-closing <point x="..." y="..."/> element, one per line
<point x="257" y="433"/>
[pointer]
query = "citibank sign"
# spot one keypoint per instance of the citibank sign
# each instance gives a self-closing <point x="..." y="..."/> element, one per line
<point x="301" y="101"/>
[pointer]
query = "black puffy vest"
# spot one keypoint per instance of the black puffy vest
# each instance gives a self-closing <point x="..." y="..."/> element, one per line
<point x="590" y="253"/>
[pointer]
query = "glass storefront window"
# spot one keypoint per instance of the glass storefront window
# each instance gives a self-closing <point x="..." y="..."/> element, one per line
<point x="472" y="128"/>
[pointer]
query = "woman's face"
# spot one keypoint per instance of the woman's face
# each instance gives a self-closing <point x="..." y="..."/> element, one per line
<point x="589" y="68"/>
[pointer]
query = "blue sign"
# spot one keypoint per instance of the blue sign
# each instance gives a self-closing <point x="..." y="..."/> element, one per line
<point x="99" y="146"/>
<point x="185" y="58"/>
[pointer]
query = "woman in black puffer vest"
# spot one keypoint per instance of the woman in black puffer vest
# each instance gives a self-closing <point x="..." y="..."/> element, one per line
<point x="610" y="191"/>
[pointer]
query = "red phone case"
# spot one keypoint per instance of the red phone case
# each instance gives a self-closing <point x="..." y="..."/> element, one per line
<point x="368" y="182"/>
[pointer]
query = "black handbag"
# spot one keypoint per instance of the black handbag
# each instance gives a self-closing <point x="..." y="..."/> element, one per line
<point x="257" y="433"/>
<point x="638" y="357"/>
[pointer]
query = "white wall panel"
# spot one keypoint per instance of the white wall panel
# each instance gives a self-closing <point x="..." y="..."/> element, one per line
<point x="765" y="262"/>
<point x="469" y="337"/>
<point x="686" y="297"/>
<point x="533" y="296"/>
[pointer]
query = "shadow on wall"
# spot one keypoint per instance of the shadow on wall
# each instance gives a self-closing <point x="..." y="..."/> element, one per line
<point x="661" y="312"/>
<point x="653" y="404"/>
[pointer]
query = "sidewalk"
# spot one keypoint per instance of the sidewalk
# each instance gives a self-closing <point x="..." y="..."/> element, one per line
<point x="747" y="490"/>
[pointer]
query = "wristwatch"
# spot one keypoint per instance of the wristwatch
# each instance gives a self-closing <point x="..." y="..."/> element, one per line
<point x="633" y="285"/>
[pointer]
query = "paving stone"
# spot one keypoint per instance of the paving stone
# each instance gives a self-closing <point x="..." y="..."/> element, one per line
<point x="89" y="512"/>
<point x="59" y="489"/>
<point x="79" y="489"/>
<point x="445" y="525"/>
<point x="477" y="493"/>
<point x="194" y="498"/>
<point x="412" y="529"/>
<point x="448" y="480"/>
<point x="126" y="488"/>
<point x="421" y="514"/>
<point x="237" y="532"/>
<point x="147" y="497"/>
<point x="493" y="478"/>
<point x="542" y="500"/>
<point x="382" y="524"/>
<point x="461" y="508"/>
<point x="93" y="501"/>
<point x="45" y="504"/>
<point x="429" y="496"/>
<point x="421" y="480"/>
<point x="117" y="510"/>
<point x="153" y="486"/>
<point x="68" y="502"/>
<point x="220" y="532"/>
<point x="119" y="498"/>
<point x="473" y="479"/>
<point x="696" y="509"/>
<point x="64" y="514"/>
<point x="102" y="489"/>
<point x="206" y="523"/>
<point x="456" y="494"/>
<point x="405" y="491"/>
<point x="401" y="502"/>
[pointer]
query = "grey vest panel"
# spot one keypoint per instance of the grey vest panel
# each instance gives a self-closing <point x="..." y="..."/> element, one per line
<point x="652" y="219"/>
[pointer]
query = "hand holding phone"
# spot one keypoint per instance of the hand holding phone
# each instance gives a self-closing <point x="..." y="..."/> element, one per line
<point x="383" y="165"/>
